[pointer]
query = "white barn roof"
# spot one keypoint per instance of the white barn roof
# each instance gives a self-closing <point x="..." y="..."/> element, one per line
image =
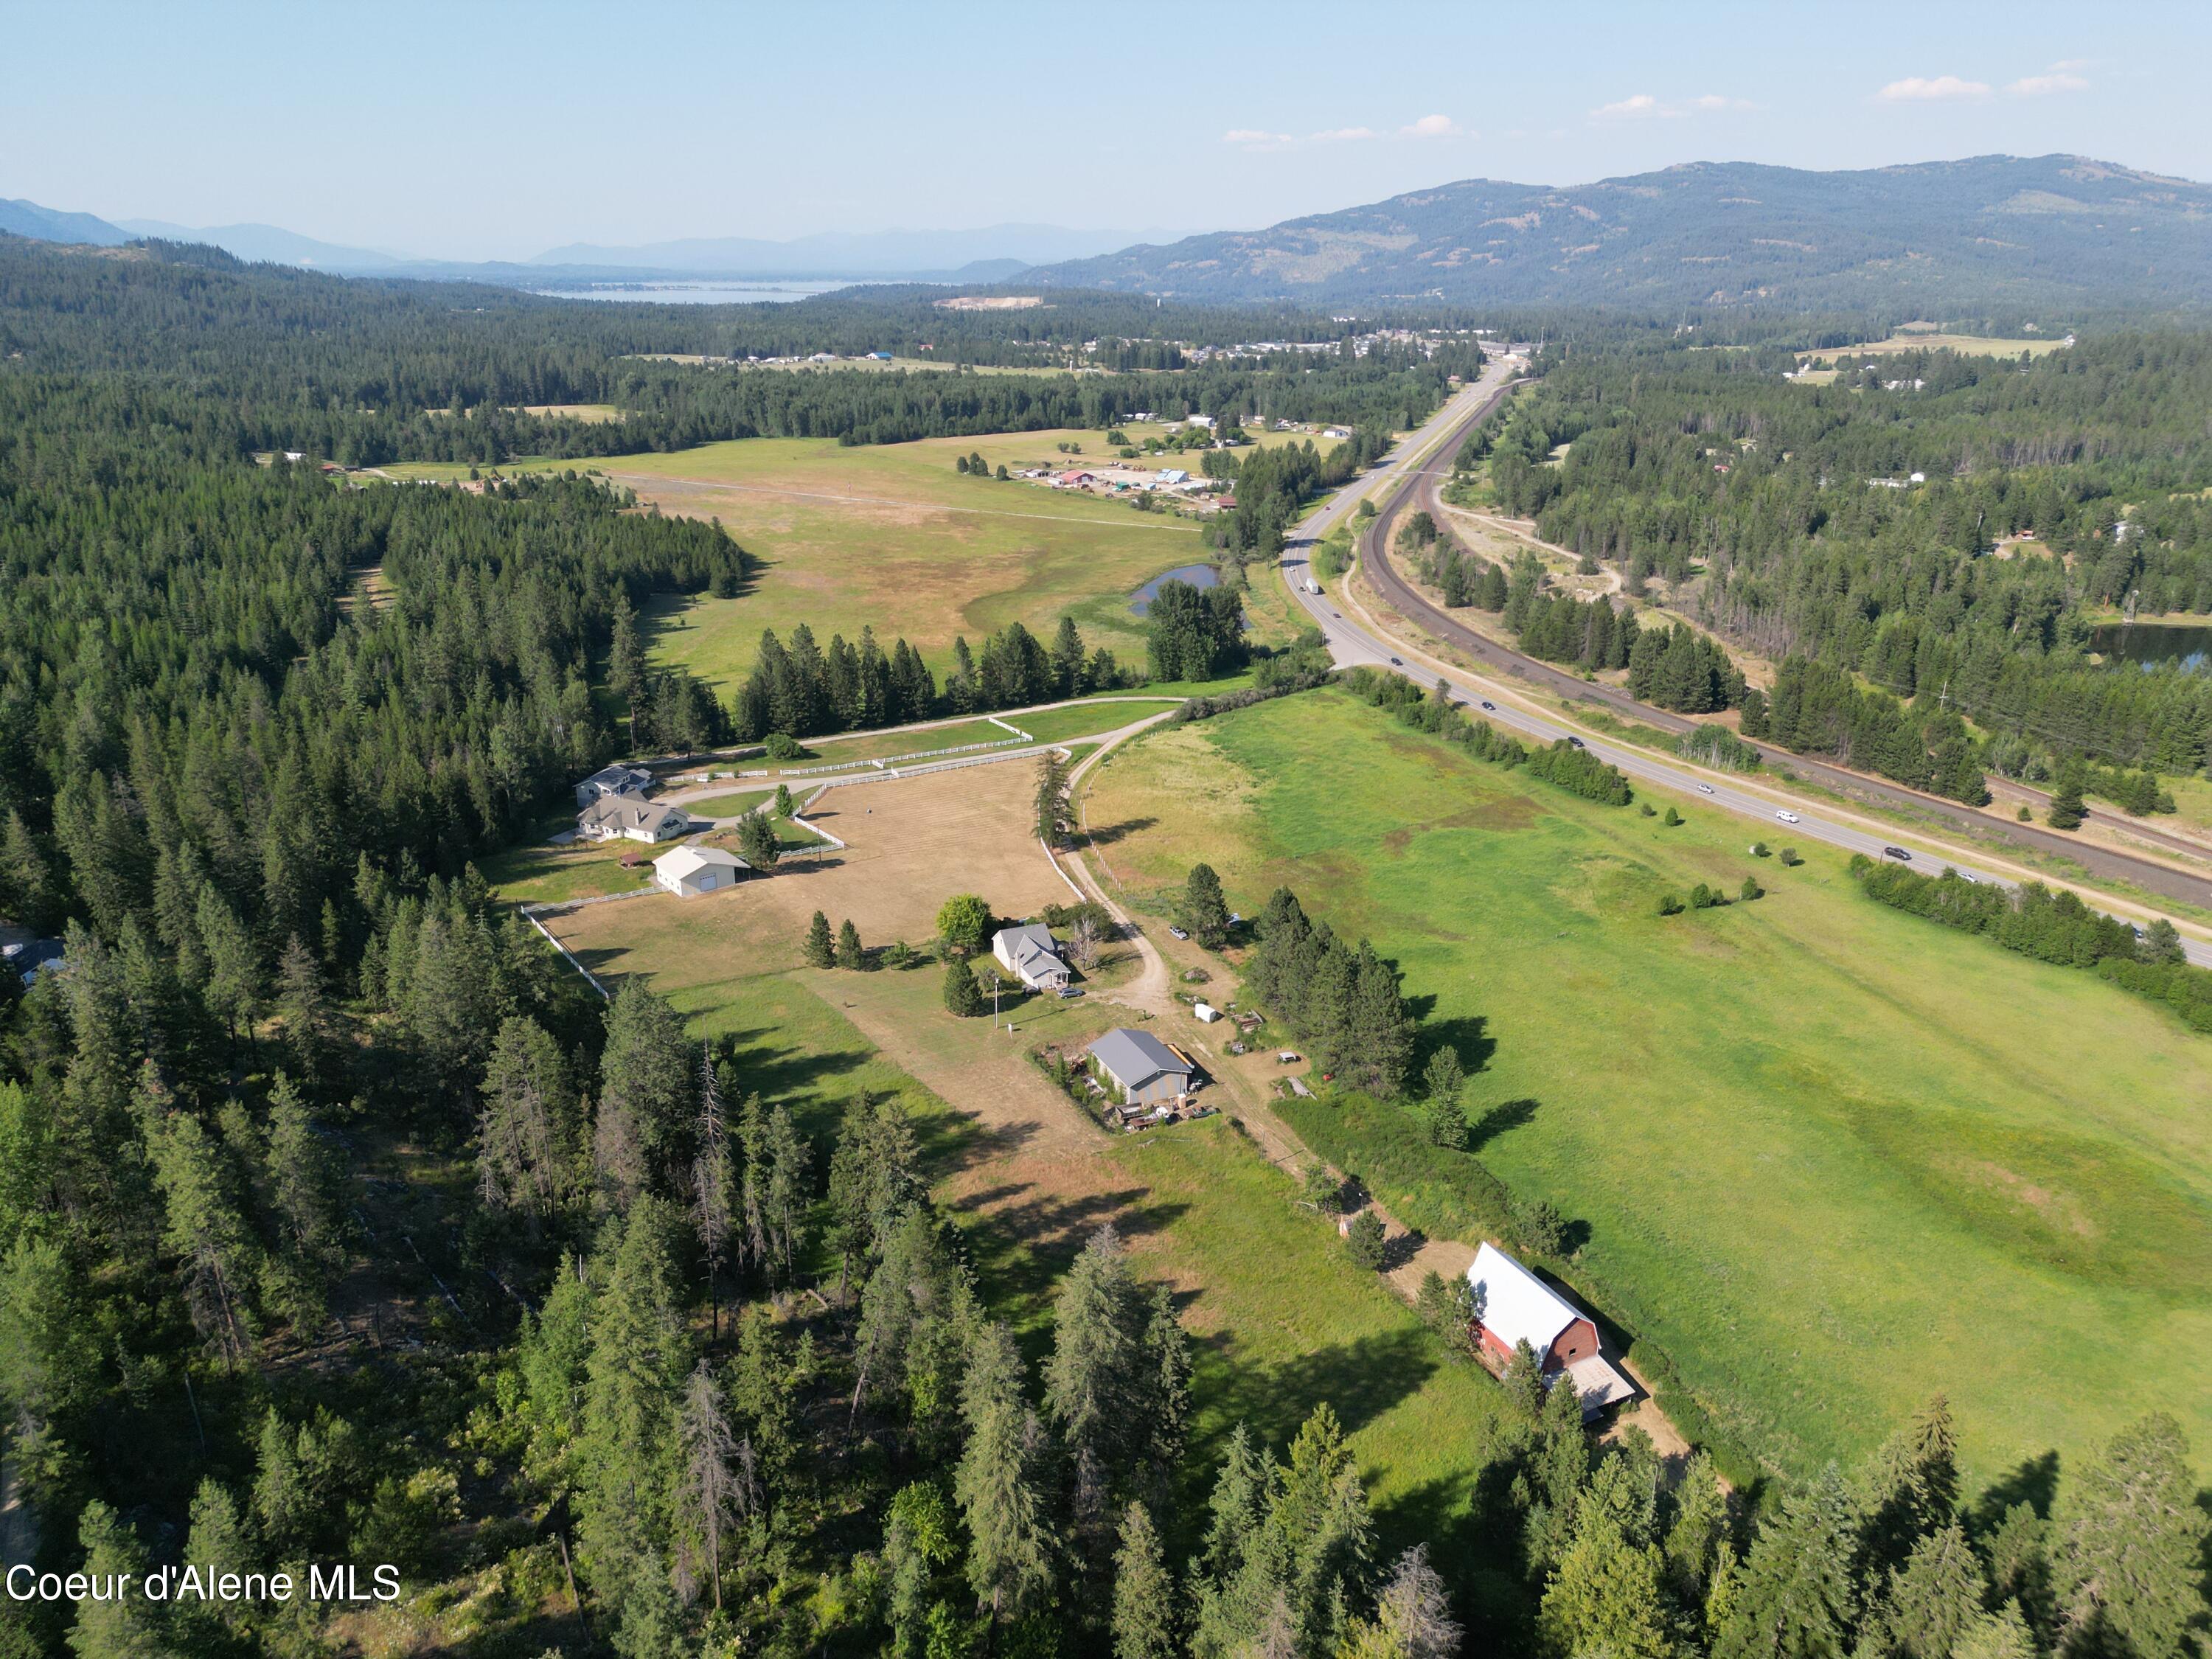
<point x="690" y="861"/>
<point x="1516" y="1305"/>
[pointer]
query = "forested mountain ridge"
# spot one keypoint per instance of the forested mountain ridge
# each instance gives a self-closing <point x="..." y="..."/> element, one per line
<point x="1934" y="237"/>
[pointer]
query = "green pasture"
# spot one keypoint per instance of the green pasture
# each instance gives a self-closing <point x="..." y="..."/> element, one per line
<point x="1831" y="1159"/>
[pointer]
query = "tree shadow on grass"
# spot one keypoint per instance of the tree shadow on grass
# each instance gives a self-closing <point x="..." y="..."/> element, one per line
<point x="1469" y="1034"/>
<point x="777" y="1071"/>
<point x="1105" y="834"/>
<point x="1508" y="1114"/>
<point x="1360" y="1380"/>
<point x="2032" y="1481"/>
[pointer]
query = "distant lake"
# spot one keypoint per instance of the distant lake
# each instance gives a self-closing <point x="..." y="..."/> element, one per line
<point x="2154" y="645"/>
<point x="1198" y="575"/>
<point x="768" y="290"/>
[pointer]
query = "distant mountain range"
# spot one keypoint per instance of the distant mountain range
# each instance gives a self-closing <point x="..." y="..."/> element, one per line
<point x="990" y="254"/>
<point x="1942" y="238"/>
<point x="2056" y="228"/>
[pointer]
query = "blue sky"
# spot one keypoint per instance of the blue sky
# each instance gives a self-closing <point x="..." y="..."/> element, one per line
<point x="495" y="131"/>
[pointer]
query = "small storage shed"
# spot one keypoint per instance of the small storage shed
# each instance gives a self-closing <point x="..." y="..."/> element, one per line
<point x="690" y="870"/>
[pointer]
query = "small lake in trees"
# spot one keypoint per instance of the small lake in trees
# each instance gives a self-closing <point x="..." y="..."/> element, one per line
<point x="1198" y="575"/>
<point x="2154" y="645"/>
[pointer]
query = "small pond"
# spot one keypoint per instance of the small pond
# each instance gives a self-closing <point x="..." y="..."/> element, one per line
<point x="2154" y="644"/>
<point x="1198" y="575"/>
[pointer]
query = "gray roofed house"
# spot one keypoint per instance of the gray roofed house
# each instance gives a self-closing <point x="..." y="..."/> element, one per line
<point x="613" y="815"/>
<point x="612" y="781"/>
<point x="1031" y="956"/>
<point x="1146" y="1070"/>
<point x="30" y="957"/>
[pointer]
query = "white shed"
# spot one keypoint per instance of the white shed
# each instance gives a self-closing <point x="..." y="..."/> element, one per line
<point x="690" y="870"/>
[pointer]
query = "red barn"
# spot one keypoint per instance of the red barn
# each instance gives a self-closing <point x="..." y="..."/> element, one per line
<point x="1519" y="1307"/>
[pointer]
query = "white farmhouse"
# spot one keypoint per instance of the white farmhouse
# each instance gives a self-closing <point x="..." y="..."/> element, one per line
<point x="1030" y="956"/>
<point x="613" y="818"/>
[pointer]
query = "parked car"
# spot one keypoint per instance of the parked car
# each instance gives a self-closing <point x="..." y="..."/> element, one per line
<point x="1897" y="852"/>
<point x="1177" y="933"/>
<point x="1287" y="1058"/>
<point x="1705" y="789"/>
<point x="1787" y="816"/>
<point x="1069" y="993"/>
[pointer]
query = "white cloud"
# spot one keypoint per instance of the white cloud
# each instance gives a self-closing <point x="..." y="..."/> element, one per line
<point x="1920" y="89"/>
<point x="2042" y="86"/>
<point x="1642" y="107"/>
<point x="1429" y="126"/>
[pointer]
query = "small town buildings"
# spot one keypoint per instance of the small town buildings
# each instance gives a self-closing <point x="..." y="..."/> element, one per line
<point x="1174" y="474"/>
<point x="690" y="870"/>
<point x="1336" y="432"/>
<point x="1141" y="1069"/>
<point x="612" y="781"/>
<point x="1207" y="1012"/>
<point x="1518" y="1307"/>
<point x="613" y="816"/>
<point x="1074" y="480"/>
<point x="1204" y="422"/>
<point x="1030" y="956"/>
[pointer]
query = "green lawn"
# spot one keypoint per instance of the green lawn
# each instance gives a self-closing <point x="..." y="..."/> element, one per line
<point x="1831" y="1158"/>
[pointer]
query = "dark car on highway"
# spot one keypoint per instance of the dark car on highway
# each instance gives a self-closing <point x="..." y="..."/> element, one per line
<point x="1491" y="706"/>
<point x="1577" y="742"/>
<point x="1897" y="852"/>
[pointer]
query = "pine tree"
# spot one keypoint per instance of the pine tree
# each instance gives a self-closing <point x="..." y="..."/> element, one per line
<point x="633" y="1388"/>
<point x="2001" y="1635"/>
<point x="820" y="950"/>
<point x="1051" y="797"/>
<point x="1382" y="1031"/>
<point x="126" y="1626"/>
<point x="1910" y="1487"/>
<point x="2066" y="811"/>
<point x="1143" y="1595"/>
<point x="712" y="1186"/>
<point x="1414" y="1609"/>
<point x="652" y="1624"/>
<point x="1929" y="1602"/>
<point x="1794" y="1598"/>
<point x="2131" y="1554"/>
<point x="1010" y="1542"/>
<point x="530" y="1129"/>
<point x="646" y="1073"/>
<point x="303" y="1180"/>
<point x="963" y="996"/>
<point x="301" y="1000"/>
<point x="756" y="841"/>
<point x="849" y="953"/>
<point x="216" y="1540"/>
<point x="1067" y="658"/>
<point x="918" y="1539"/>
<point x="1366" y="1241"/>
<point x="1605" y="1595"/>
<point x="1204" y="911"/>
<point x="707" y="1494"/>
<point x="205" y="1229"/>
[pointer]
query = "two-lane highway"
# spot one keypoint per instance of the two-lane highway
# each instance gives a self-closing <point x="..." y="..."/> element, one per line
<point x="1774" y="816"/>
